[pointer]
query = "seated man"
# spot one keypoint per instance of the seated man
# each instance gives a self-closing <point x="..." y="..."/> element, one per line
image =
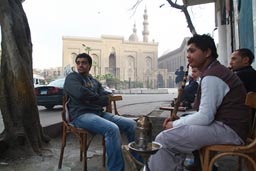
<point x="221" y="117"/>
<point x="190" y="90"/>
<point x="87" y="99"/>
<point x="240" y="63"/>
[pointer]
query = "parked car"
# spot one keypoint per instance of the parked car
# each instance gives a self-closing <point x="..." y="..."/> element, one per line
<point x="38" y="80"/>
<point x="50" y="95"/>
<point x="107" y="89"/>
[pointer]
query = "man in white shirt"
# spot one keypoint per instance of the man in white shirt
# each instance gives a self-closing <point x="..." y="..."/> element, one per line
<point x="221" y="117"/>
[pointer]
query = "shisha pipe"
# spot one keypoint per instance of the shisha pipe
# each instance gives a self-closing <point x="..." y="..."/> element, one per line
<point x="173" y="115"/>
<point x="143" y="143"/>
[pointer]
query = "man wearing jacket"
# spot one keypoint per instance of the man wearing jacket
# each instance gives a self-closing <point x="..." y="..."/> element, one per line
<point x="240" y="63"/>
<point x="87" y="99"/>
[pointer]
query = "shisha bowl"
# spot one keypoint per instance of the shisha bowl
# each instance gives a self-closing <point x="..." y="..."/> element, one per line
<point x="152" y="148"/>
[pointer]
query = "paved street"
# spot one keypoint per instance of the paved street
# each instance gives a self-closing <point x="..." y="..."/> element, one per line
<point x="132" y="104"/>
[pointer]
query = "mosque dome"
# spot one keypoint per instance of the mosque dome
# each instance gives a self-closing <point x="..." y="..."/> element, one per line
<point x="133" y="37"/>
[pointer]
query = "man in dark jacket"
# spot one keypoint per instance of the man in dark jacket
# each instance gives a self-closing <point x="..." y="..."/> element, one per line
<point x="87" y="99"/>
<point x="190" y="90"/>
<point x="179" y="76"/>
<point x="240" y="63"/>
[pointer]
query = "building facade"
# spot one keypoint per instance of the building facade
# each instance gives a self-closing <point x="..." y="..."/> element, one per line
<point x="236" y="27"/>
<point x="235" y="24"/>
<point x="170" y="62"/>
<point x="131" y="61"/>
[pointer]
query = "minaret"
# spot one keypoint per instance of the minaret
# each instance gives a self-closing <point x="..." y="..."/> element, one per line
<point x="145" y="32"/>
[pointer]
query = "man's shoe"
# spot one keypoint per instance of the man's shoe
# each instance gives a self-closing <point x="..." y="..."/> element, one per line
<point x="195" y="167"/>
<point x="215" y="168"/>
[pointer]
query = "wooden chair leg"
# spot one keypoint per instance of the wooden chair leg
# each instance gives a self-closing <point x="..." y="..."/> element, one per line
<point x="104" y="152"/>
<point x="240" y="163"/>
<point x="84" y="144"/>
<point x="84" y="141"/>
<point x="201" y="153"/>
<point x="64" y="138"/>
<point x="249" y="164"/>
<point x="206" y="160"/>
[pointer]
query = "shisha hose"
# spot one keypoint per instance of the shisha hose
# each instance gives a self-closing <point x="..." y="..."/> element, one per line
<point x="173" y="115"/>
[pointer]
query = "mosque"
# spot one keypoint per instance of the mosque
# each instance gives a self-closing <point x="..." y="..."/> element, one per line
<point x="131" y="62"/>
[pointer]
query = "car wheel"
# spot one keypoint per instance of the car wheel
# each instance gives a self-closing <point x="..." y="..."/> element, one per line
<point x="49" y="107"/>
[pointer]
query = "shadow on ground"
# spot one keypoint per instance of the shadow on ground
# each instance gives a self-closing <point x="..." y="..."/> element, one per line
<point x="49" y="161"/>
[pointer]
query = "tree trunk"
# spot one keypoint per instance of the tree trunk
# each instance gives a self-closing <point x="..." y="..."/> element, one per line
<point x="17" y="99"/>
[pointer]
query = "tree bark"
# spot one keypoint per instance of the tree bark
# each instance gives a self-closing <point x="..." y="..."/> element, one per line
<point x="17" y="99"/>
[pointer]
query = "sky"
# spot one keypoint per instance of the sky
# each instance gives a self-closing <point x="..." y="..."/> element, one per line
<point x="50" y="20"/>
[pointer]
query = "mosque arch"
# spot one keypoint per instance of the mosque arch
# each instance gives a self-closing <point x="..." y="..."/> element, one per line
<point x="71" y="67"/>
<point x="171" y="82"/>
<point x="148" y="72"/>
<point x="112" y="62"/>
<point x="130" y="68"/>
<point x="73" y="57"/>
<point x="148" y="61"/>
<point x="95" y="69"/>
<point x="160" y="81"/>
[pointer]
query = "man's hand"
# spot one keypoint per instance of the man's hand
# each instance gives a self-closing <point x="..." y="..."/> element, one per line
<point x="167" y="123"/>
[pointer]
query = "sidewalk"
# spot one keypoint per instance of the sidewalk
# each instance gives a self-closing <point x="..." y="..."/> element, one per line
<point x="49" y="161"/>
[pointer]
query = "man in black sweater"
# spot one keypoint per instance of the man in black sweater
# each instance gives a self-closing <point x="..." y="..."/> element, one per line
<point x="240" y="63"/>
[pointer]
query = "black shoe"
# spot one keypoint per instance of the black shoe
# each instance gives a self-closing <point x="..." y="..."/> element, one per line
<point x="215" y="168"/>
<point x="195" y="167"/>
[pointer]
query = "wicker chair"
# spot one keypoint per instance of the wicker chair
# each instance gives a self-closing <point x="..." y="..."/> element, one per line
<point x="85" y="137"/>
<point x="247" y="152"/>
<point x="112" y="107"/>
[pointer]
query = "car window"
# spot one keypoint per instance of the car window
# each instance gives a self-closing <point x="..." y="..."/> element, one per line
<point x="39" y="81"/>
<point x="57" y="83"/>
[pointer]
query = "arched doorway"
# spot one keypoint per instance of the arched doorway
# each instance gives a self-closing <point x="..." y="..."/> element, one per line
<point x="160" y="81"/>
<point x="112" y="62"/>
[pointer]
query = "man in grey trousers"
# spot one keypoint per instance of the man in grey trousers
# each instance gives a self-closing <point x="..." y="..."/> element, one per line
<point x="221" y="117"/>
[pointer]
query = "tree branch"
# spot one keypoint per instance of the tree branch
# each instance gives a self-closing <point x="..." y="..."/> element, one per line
<point x="184" y="9"/>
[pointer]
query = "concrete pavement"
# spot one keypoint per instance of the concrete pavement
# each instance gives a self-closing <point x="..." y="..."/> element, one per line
<point x="131" y="105"/>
